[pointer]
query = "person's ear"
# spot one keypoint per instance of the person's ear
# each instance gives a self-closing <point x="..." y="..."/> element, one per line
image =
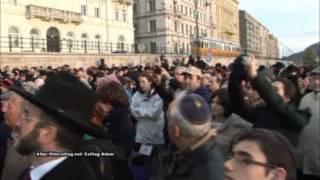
<point x="47" y="134"/>
<point x="277" y="174"/>
<point x="174" y="130"/>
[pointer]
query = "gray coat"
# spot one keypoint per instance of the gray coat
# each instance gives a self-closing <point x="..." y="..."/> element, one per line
<point x="232" y="127"/>
<point x="309" y="142"/>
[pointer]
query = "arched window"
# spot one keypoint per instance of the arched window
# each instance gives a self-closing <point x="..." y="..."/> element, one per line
<point x="14" y="36"/>
<point x="120" y="44"/>
<point x="84" y="41"/>
<point x="97" y="43"/>
<point x="70" y="38"/>
<point x="34" y="36"/>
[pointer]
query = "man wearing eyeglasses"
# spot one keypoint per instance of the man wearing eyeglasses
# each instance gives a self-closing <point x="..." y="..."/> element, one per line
<point x="260" y="154"/>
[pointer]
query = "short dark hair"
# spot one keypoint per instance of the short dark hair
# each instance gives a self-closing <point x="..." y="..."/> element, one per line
<point x="113" y="93"/>
<point x="289" y="88"/>
<point x="223" y="96"/>
<point x="277" y="149"/>
<point x="149" y="76"/>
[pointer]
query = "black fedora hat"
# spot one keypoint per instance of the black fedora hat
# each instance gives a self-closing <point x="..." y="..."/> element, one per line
<point x="69" y="100"/>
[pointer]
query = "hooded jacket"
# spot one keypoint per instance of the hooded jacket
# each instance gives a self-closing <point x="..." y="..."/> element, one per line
<point x="148" y="111"/>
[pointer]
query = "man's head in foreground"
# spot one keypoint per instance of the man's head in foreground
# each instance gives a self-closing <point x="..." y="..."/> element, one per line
<point x="260" y="155"/>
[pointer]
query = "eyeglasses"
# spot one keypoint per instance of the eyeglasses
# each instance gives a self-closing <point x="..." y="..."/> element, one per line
<point x="246" y="159"/>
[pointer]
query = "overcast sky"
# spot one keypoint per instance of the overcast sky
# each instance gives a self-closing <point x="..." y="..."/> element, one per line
<point x="294" y="22"/>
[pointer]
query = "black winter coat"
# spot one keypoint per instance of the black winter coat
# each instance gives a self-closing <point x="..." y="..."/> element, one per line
<point x="204" y="163"/>
<point x="275" y="115"/>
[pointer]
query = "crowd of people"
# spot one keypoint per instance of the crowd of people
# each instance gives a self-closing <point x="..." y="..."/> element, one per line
<point x="187" y="121"/>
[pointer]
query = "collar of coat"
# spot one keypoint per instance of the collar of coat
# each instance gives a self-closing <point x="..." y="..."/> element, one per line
<point x="183" y="160"/>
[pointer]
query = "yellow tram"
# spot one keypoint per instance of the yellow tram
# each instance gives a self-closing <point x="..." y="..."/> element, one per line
<point x="215" y="48"/>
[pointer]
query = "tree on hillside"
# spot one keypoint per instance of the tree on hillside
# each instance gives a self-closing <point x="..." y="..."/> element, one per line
<point x="309" y="56"/>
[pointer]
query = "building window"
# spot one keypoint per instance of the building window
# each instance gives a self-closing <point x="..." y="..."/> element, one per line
<point x="84" y="41"/>
<point x="181" y="9"/>
<point x="188" y="49"/>
<point x="153" y="47"/>
<point x="120" y="44"/>
<point x="182" y="49"/>
<point x="135" y="9"/>
<point x="152" y="5"/>
<point x="153" y="26"/>
<point x="83" y="10"/>
<point x="70" y="37"/>
<point x="176" y="26"/>
<point x="97" y="12"/>
<point x="136" y="30"/>
<point x="182" y="28"/>
<point x="116" y="14"/>
<point x="186" y="11"/>
<point x="124" y="15"/>
<point x="187" y="30"/>
<point x="175" y="47"/>
<point x="14" y="35"/>
<point x="34" y="36"/>
<point x="97" y="43"/>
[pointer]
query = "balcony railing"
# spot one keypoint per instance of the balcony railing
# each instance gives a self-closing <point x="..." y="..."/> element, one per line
<point x="16" y="44"/>
<point x="49" y="14"/>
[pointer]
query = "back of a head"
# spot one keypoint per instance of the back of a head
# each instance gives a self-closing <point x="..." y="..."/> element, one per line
<point x="191" y="113"/>
<point x="277" y="149"/>
<point x="113" y="93"/>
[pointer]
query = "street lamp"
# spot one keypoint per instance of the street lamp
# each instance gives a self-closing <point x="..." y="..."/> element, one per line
<point x="197" y="26"/>
<point x="176" y="15"/>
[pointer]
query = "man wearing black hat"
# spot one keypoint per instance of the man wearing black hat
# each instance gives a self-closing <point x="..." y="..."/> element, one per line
<point x="55" y="120"/>
<point x="189" y="126"/>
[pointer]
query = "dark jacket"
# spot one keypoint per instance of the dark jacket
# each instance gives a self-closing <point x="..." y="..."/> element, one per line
<point x="167" y="93"/>
<point x="92" y="168"/>
<point x="76" y="168"/>
<point x="4" y="136"/>
<point x="72" y="168"/>
<point x="204" y="163"/>
<point x="204" y="92"/>
<point x="275" y="115"/>
<point x="120" y="128"/>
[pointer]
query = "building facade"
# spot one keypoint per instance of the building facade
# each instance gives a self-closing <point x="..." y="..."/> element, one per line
<point x="90" y="26"/>
<point x="170" y="26"/>
<point x="226" y="16"/>
<point x="273" y="50"/>
<point x="255" y="38"/>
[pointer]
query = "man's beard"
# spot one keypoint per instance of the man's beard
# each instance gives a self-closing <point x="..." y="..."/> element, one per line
<point x="28" y="144"/>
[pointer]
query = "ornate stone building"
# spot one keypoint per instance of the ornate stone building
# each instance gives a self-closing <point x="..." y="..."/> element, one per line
<point x="170" y="26"/>
<point x="255" y="38"/>
<point x="226" y="20"/>
<point x="66" y="26"/>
